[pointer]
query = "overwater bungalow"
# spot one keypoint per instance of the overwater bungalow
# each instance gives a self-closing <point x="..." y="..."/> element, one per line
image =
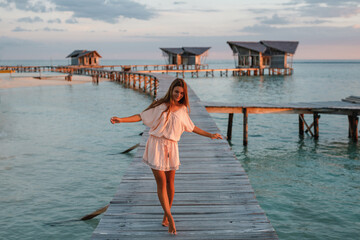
<point x="84" y="57"/>
<point x="264" y="54"/>
<point x="185" y="55"/>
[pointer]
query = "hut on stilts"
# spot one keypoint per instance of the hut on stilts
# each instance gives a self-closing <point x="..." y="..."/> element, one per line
<point x="274" y="56"/>
<point x="186" y="56"/>
<point x="84" y="58"/>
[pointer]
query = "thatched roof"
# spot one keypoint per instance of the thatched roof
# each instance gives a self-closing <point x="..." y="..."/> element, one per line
<point x="81" y="53"/>
<point x="283" y="46"/>
<point x="255" y="46"/>
<point x="186" y="50"/>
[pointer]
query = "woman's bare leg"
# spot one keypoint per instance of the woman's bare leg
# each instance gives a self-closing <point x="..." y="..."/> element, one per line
<point x="170" y="187"/>
<point x="160" y="178"/>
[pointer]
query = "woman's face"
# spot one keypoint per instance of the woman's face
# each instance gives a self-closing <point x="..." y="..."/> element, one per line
<point x="178" y="93"/>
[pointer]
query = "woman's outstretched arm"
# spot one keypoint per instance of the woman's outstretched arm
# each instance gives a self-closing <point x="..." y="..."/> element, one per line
<point x="206" y="134"/>
<point x="133" y="118"/>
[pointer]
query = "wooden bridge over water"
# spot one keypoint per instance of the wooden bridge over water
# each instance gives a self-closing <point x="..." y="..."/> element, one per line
<point x="213" y="199"/>
<point x="194" y="70"/>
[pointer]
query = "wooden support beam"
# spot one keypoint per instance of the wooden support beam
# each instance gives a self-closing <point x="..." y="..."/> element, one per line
<point x="311" y="125"/>
<point x="353" y="127"/>
<point x="150" y="84"/>
<point x="316" y="125"/>
<point x="155" y="88"/>
<point x="145" y="83"/>
<point x="350" y="126"/>
<point x="301" y="125"/>
<point x="245" y="127"/>
<point x="230" y="123"/>
<point x="308" y="128"/>
<point x="139" y="84"/>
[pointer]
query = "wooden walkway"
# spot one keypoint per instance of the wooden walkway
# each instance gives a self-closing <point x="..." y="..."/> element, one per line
<point x="223" y="71"/>
<point x="349" y="106"/>
<point x="213" y="197"/>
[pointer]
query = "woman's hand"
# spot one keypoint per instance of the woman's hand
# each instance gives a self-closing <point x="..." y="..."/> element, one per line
<point x="115" y="120"/>
<point x="216" y="136"/>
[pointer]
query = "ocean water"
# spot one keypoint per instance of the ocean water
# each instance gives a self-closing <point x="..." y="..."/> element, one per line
<point x="60" y="157"/>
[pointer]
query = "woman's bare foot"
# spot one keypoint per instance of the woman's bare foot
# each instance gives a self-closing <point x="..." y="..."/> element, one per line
<point x="165" y="222"/>
<point x="172" y="228"/>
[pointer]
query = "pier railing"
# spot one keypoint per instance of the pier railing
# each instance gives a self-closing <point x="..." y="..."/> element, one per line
<point x="144" y="82"/>
<point x="139" y="81"/>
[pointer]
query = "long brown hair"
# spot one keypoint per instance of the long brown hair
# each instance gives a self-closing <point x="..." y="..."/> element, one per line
<point x="168" y="98"/>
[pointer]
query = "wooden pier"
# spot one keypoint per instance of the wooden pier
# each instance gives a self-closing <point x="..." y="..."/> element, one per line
<point x="351" y="109"/>
<point x="213" y="197"/>
<point x="223" y="71"/>
<point x="77" y="68"/>
<point x="178" y="70"/>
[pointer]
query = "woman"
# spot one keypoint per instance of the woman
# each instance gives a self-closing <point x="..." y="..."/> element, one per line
<point x="167" y="118"/>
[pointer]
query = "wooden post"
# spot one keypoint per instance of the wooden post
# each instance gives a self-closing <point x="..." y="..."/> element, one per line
<point x="155" y="88"/>
<point x="145" y="82"/>
<point x="230" y="123"/>
<point x="316" y="125"/>
<point x="139" y="81"/>
<point x="350" y="127"/>
<point x="150" y="84"/>
<point x="245" y="127"/>
<point x="128" y="76"/>
<point x="353" y="127"/>
<point x="301" y="125"/>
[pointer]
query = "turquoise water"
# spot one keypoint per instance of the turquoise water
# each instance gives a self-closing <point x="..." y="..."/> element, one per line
<point x="60" y="160"/>
<point x="59" y="157"/>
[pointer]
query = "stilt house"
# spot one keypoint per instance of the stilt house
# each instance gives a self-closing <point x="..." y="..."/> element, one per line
<point x="185" y="55"/>
<point x="84" y="57"/>
<point x="264" y="54"/>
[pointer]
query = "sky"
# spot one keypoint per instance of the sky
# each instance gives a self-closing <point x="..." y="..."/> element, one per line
<point x="136" y="29"/>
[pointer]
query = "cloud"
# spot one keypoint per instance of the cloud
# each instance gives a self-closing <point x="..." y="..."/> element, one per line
<point x="179" y="3"/>
<point x="107" y="11"/>
<point x="326" y="8"/>
<point x="47" y="29"/>
<point x="100" y="10"/>
<point x="30" y="20"/>
<point x="329" y="11"/>
<point x="20" y="29"/>
<point x="71" y="21"/>
<point x="28" y="5"/>
<point x="57" y="20"/>
<point x="308" y="35"/>
<point x="274" y="20"/>
<point x="327" y="2"/>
